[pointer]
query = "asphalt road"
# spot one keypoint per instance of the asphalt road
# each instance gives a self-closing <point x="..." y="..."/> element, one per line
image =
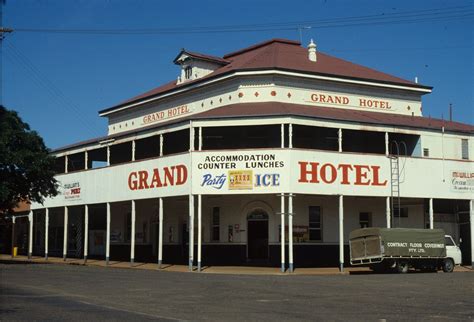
<point x="65" y="292"/>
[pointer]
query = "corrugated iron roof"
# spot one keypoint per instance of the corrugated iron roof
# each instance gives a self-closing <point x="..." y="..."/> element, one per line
<point x="281" y="54"/>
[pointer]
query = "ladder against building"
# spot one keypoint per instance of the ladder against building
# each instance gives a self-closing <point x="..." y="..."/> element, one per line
<point x="394" y="157"/>
<point x="395" y="186"/>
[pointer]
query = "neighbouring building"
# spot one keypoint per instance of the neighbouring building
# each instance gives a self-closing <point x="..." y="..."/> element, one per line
<point x="271" y="145"/>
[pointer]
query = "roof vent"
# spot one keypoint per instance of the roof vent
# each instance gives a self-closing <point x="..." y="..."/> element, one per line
<point x="312" y="51"/>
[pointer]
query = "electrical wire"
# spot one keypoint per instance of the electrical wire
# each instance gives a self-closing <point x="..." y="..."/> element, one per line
<point x="41" y="80"/>
<point x="414" y="16"/>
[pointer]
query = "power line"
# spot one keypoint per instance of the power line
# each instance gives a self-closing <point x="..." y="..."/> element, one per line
<point x="426" y="15"/>
<point x="3" y="31"/>
<point x="41" y="80"/>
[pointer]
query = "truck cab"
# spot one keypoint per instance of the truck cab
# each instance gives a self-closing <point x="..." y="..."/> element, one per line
<point x="452" y="250"/>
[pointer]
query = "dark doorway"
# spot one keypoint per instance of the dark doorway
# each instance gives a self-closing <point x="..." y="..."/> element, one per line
<point x="257" y="235"/>
<point x="465" y="236"/>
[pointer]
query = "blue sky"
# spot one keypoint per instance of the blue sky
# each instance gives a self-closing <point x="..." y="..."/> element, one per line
<point x="59" y="81"/>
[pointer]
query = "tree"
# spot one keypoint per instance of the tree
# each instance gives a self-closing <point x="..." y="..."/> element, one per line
<point x="26" y="167"/>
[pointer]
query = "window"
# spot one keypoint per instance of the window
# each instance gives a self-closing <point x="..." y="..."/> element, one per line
<point x="315" y="223"/>
<point x="400" y="212"/>
<point x="465" y="149"/>
<point x="426" y="152"/>
<point x="448" y="241"/>
<point x="188" y="72"/>
<point x="215" y="223"/>
<point x="365" y="219"/>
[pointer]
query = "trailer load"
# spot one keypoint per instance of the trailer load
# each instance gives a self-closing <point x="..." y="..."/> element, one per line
<point x="400" y="248"/>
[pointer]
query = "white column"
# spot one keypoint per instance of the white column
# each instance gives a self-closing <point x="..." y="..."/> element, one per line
<point x="133" y="150"/>
<point x="66" y="161"/>
<point x="86" y="231"/>
<point x="282" y="232"/>
<point x="431" y="214"/>
<point x="191" y="137"/>
<point x="339" y="139"/>
<point x="132" y="237"/>
<point x="282" y="131"/>
<point x="86" y="160"/>
<point x="200" y="139"/>
<point x="30" y="235"/>
<point x="387" y="149"/>
<point x="387" y="212"/>
<point x="191" y="231"/>
<point x="290" y="136"/>
<point x="13" y="235"/>
<point x="108" y="155"/>
<point x="160" y="234"/>
<point x="341" y="233"/>
<point x="199" y="246"/>
<point x="46" y="233"/>
<point x="161" y="145"/>
<point x="66" y="217"/>
<point x="471" y="215"/>
<point x="107" y="237"/>
<point x="290" y="232"/>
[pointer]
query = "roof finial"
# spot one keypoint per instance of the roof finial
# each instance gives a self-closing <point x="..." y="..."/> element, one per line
<point x="312" y="51"/>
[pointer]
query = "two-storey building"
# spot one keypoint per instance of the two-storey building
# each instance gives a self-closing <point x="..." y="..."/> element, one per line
<point x="269" y="155"/>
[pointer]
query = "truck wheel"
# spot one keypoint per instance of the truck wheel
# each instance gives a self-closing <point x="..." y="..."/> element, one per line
<point x="402" y="267"/>
<point x="448" y="265"/>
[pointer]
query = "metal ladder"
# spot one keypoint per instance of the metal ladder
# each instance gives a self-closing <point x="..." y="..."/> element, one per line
<point x="395" y="186"/>
<point x="395" y="177"/>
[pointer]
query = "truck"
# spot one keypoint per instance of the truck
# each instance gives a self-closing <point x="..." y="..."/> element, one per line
<point x="399" y="249"/>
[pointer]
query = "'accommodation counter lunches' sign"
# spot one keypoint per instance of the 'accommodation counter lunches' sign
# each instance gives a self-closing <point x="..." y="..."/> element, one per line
<point x="240" y="172"/>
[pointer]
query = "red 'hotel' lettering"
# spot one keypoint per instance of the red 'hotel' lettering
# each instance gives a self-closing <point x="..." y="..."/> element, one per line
<point x="374" y="103"/>
<point x="365" y="175"/>
<point x="170" y="176"/>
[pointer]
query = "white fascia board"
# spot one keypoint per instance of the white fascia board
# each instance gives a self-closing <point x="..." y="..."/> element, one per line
<point x="335" y="79"/>
<point x="174" y="92"/>
<point x="268" y="72"/>
<point x="242" y="121"/>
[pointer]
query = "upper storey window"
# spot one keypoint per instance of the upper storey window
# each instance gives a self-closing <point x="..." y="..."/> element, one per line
<point x="188" y="72"/>
<point x="465" y="149"/>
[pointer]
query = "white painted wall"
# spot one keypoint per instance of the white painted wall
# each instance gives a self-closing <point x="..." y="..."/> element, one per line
<point x="420" y="178"/>
<point x="265" y="88"/>
<point x="446" y="145"/>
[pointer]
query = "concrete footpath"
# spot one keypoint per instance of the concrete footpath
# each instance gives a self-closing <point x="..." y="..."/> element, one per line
<point x="239" y="270"/>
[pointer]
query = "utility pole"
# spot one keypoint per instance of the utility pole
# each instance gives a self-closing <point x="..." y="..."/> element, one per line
<point x="3" y="31"/>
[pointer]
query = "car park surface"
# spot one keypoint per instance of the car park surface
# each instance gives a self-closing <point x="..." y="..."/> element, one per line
<point x="72" y="292"/>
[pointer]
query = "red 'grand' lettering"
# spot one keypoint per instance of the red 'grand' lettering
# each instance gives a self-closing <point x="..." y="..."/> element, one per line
<point x="167" y="176"/>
